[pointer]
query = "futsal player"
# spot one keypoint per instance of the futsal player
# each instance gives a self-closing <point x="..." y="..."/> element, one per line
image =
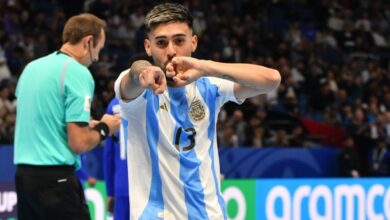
<point x="172" y="107"/>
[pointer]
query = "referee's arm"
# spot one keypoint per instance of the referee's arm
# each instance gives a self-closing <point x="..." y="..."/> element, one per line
<point x="82" y="138"/>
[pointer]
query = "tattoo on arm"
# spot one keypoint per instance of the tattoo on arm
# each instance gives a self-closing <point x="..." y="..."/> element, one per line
<point x="134" y="78"/>
<point x="136" y="68"/>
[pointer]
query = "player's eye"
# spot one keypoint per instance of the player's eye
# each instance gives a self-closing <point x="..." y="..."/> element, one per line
<point x="179" y="41"/>
<point x="162" y="43"/>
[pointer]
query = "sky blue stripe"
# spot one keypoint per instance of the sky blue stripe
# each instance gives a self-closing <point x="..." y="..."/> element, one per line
<point x="210" y="98"/>
<point x="189" y="163"/>
<point x="155" y="203"/>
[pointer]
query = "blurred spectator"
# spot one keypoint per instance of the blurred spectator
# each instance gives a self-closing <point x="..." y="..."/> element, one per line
<point x="228" y="138"/>
<point x="293" y="35"/>
<point x="279" y="139"/>
<point x="5" y="73"/>
<point x="239" y="124"/>
<point x="335" y="21"/>
<point x="348" y="159"/>
<point x="7" y="112"/>
<point x="347" y="38"/>
<point x="326" y="38"/>
<point x="380" y="159"/>
<point x="298" y="137"/>
<point x="199" y="23"/>
<point x="297" y="73"/>
<point x="250" y="132"/>
<point x="258" y="137"/>
<point x="359" y="126"/>
<point x="364" y="22"/>
<point x="379" y="38"/>
<point x="137" y="18"/>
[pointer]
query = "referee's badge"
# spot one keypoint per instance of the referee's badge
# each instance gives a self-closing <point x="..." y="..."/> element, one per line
<point x="197" y="111"/>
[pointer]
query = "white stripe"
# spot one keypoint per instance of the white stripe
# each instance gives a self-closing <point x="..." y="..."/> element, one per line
<point x="139" y="174"/>
<point x="62" y="180"/>
<point x="206" y="177"/>
<point x="122" y="146"/>
<point x="173" y="193"/>
<point x="63" y="75"/>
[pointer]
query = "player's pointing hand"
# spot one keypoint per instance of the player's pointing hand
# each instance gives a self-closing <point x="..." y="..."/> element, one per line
<point x="153" y="78"/>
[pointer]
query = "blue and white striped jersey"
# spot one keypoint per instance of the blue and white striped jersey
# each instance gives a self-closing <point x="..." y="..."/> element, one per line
<point x="173" y="161"/>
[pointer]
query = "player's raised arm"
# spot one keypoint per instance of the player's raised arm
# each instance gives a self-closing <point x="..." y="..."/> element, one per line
<point x="250" y="79"/>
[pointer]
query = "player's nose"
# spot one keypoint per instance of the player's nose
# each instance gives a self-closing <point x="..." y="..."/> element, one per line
<point x="171" y="50"/>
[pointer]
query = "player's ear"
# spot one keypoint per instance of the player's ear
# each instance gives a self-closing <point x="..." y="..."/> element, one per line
<point x="194" y="43"/>
<point x="147" y="45"/>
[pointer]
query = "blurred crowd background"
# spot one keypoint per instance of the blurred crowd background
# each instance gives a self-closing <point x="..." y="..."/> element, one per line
<point x="334" y="58"/>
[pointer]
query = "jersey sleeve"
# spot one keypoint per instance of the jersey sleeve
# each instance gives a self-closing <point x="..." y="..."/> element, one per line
<point x="128" y="106"/>
<point x="78" y="93"/>
<point x="225" y="91"/>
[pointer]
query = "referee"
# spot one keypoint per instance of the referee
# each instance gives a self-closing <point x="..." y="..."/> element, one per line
<point x="53" y="124"/>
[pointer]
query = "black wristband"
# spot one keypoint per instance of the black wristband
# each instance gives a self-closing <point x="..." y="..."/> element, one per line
<point x="103" y="130"/>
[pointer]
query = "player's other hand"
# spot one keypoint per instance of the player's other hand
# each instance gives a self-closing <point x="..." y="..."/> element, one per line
<point x="113" y="122"/>
<point x="153" y="78"/>
<point x="184" y="70"/>
<point x="93" y="123"/>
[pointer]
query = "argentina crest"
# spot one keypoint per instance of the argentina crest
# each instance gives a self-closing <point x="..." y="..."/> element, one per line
<point x="197" y="110"/>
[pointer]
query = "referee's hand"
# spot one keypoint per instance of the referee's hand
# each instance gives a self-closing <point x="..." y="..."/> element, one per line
<point x="93" y="123"/>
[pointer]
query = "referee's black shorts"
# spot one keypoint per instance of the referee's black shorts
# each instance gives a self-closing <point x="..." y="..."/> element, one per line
<point x="48" y="193"/>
